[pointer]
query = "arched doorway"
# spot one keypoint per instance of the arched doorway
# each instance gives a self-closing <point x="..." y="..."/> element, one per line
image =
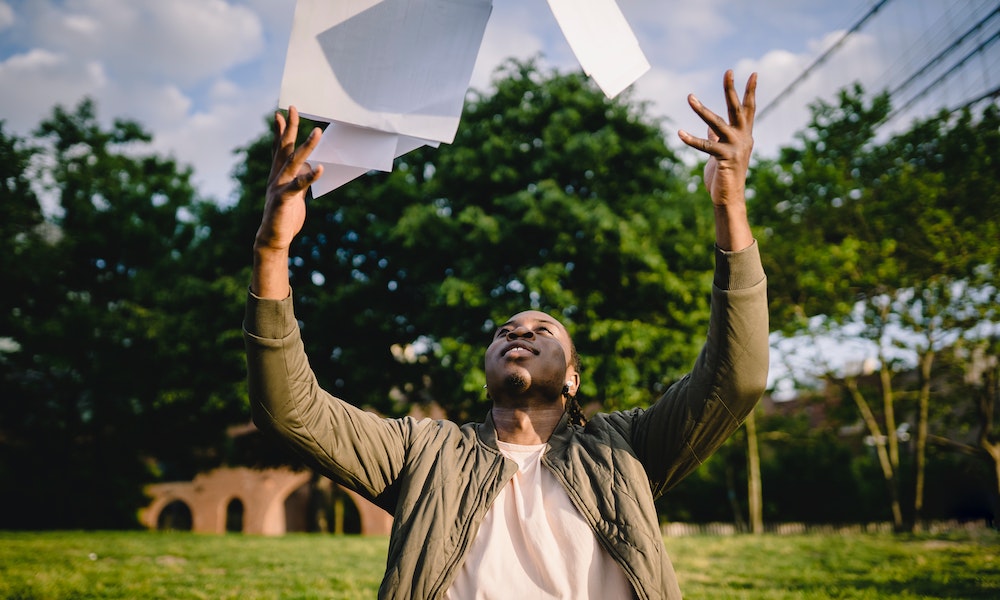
<point x="345" y="515"/>
<point x="234" y="516"/>
<point x="319" y="506"/>
<point x="175" y="516"/>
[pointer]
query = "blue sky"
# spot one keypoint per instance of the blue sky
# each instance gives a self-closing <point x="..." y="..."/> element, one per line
<point x="202" y="75"/>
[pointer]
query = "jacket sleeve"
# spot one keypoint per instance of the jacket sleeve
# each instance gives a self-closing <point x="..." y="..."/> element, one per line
<point x="700" y="411"/>
<point x="359" y="449"/>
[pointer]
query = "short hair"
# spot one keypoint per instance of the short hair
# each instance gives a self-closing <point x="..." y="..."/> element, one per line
<point x="576" y="416"/>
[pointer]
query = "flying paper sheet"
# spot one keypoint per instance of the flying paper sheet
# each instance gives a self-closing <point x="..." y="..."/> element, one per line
<point x="602" y="41"/>
<point x="390" y="76"/>
<point x="348" y="152"/>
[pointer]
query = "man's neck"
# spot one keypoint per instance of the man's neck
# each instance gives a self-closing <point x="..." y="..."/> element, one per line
<point x="526" y="426"/>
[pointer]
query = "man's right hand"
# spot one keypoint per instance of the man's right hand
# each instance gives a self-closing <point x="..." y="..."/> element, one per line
<point x="285" y="207"/>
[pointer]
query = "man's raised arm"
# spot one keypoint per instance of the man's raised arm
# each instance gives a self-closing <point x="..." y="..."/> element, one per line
<point x="729" y="145"/>
<point x="696" y="414"/>
<point x="285" y="209"/>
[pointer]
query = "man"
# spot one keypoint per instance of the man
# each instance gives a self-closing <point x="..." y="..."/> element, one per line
<point x="526" y="504"/>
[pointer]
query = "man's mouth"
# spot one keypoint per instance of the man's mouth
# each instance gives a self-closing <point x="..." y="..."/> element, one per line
<point x="518" y="349"/>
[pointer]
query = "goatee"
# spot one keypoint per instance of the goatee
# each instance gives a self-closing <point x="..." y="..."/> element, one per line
<point x="516" y="382"/>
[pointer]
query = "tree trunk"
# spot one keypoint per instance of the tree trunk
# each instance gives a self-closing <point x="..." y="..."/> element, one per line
<point x="888" y="400"/>
<point x="888" y="473"/>
<point x="989" y="396"/>
<point x="889" y="409"/>
<point x="995" y="456"/>
<point x="926" y="361"/>
<point x="755" y="501"/>
<point x="734" y="500"/>
<point x="338" y="513"/>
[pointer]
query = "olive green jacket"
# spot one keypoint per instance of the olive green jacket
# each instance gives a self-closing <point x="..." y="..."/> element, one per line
<point x="438" y="479"/>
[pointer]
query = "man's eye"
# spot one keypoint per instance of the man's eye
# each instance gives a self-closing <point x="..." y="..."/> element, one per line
<point x="502" y="332"/>
<point x="544" y="330"/>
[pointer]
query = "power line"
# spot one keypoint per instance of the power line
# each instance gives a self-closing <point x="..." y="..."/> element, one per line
<point x="941" y="55"/>
<point x="978" y="49"/>
<point x="990" y="94"/>
<point x="820" y="60"/>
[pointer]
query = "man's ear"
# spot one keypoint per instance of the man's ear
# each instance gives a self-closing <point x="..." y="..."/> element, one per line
<point x="572" y="381"/>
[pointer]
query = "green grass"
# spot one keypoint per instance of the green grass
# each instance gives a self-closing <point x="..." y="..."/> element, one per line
<point x="857" y="566"/>
<point x="78" y="565"/>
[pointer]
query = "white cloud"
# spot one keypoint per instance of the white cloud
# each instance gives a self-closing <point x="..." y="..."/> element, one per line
<point x="184" y="41"/>
<point x="156" y="106"/>
<point x="224" y="90"/>
<point x="276" y="16"/>
<point x="777" y="68"/>
<point x="163" y="64"/>
<point x="203" y="74"/>
<point x="207" y="140"/>
<point x="788" y="110"/>
<point x="517" y="30"/>
<point x="686" y="43"/>
<point x="33" y="82"/>
<point x="678" y="33"/>
<point x="6" y="15"/>
<point x="667" y="92"/>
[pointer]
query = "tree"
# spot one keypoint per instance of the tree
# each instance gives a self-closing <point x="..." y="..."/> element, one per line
<point x="755" y="493"/>
<point x="551" y="197"/>
<point x="116" y="370"/>
<point x="20" y="229"/>
<point x="895" y="238"/>
<point x="976" y="364"/>
<point x="122" y="362"/>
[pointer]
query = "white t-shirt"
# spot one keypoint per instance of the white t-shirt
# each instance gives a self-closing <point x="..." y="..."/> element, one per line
<point x="534" y="544"/>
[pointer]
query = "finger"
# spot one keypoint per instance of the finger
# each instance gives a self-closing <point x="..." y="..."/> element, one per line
<point x="285" y="130"/>
<point x="299" y="155"/>
<point x="713" y="120"/>
<point x="733" y="105"/>
<point x="302" y="178"/>
<point x="291" y="130"/>
<point x="313" y="175"/>
<point x="750" y="99"/>
<point x="306" y="176"/>
<point x="278" y="130"/>
<point x="708" y="146"/>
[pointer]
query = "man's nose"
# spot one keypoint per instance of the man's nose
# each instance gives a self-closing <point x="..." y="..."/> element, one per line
<point x="520" y="332"/>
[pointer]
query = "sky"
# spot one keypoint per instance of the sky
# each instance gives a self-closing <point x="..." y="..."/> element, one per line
<point x="203" y="76"/>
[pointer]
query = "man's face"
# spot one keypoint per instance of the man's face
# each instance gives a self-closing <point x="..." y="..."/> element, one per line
<point x="530" y="353"/>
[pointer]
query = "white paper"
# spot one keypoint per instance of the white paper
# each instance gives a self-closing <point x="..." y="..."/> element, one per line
<point x="333" y="177"/>
<point x="602" y="41"/>
<point x="390" y="76"/>
<point x="356" y="147"/>
<point x="348" y="152"/>
<point x="400" y="66"/>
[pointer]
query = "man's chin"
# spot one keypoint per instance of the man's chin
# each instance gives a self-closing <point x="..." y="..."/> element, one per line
<point x="516" y="383"/>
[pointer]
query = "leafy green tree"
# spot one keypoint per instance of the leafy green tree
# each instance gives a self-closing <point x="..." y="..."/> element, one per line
<point x="974" y="430"/>
<point x="551" y="197"/>
<point x="117" y="369"/>
<point x="896" y="237"/>
<point x="20" y="230"/>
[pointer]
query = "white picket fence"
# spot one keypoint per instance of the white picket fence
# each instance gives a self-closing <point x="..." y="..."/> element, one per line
<point x="687" y="529"/>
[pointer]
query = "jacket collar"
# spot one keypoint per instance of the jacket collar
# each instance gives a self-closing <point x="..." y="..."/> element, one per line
<point x="487" y="432"/>
<point x="562" y="433"/>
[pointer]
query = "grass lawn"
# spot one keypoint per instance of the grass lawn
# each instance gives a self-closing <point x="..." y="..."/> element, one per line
<point x="63" y="565"/>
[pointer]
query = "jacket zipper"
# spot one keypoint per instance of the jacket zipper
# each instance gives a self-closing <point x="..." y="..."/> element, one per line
<point x="467" y="537"/>
<point x="601" y="537"/>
